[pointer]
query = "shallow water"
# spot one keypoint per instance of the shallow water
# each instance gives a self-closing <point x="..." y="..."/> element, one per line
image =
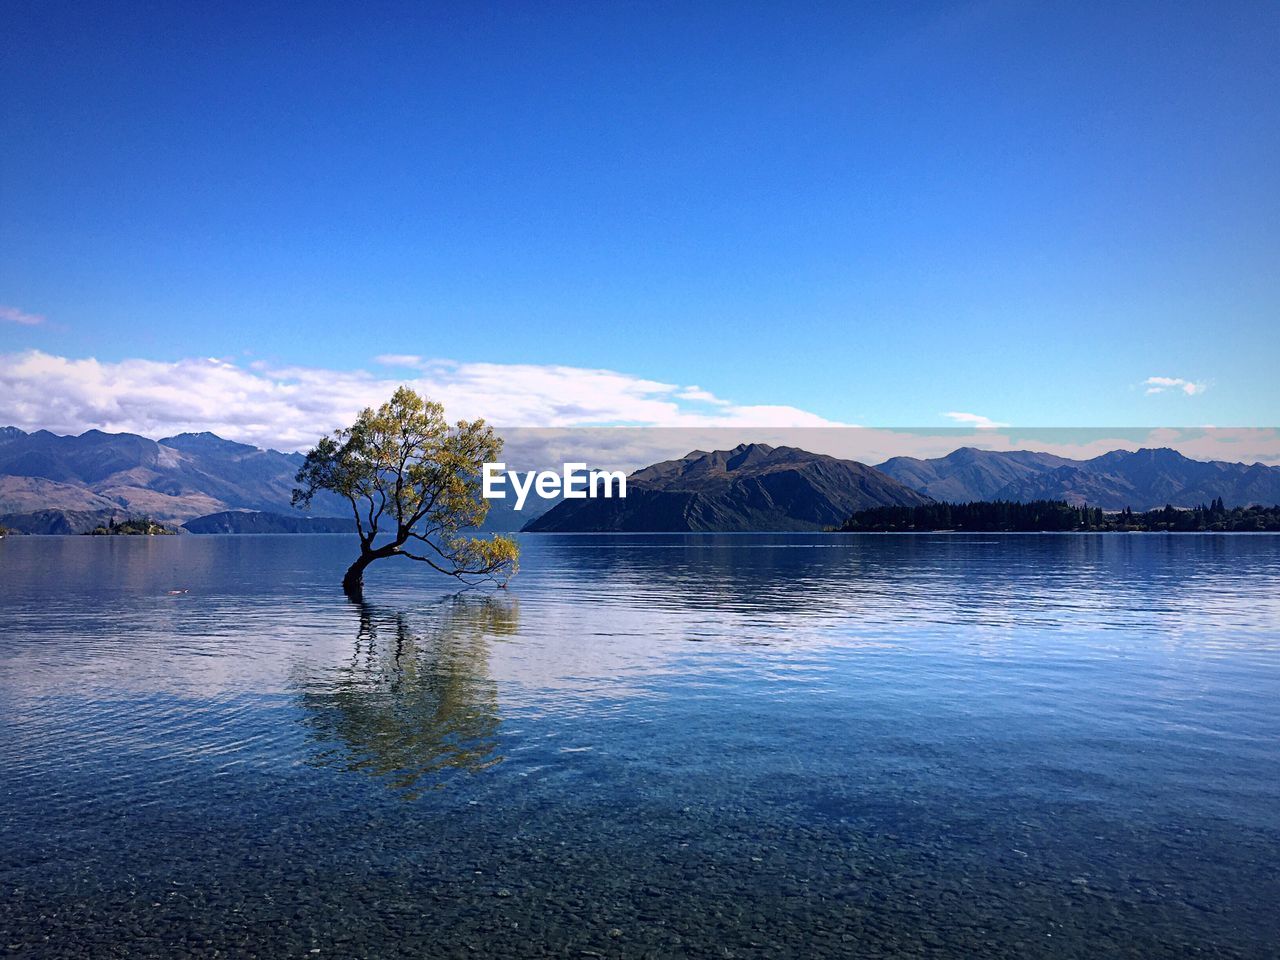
<point x="719" y="746"/>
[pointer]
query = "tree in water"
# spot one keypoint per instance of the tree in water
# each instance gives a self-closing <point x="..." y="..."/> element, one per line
<point x="413" y="482"/>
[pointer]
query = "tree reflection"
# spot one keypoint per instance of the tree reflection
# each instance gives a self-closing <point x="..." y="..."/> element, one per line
<point x="415" y="701"/>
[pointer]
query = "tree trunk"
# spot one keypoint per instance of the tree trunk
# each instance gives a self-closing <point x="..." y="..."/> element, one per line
<point x="353" y="582"/>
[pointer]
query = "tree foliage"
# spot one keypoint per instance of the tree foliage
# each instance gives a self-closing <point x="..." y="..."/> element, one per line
<point x="413" y="482"/>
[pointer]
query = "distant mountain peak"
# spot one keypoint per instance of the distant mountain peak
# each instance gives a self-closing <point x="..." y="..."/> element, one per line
<point x="1162" y="453"/>
<point x="747" y="454"/>
<point x="742" y="448"/>
<point x="1141" y="479"/>
<point x="1147" y="453"/>
<point x="205" y="442"/>
<point x="752" y="486"/>
<point x="966" y="457"/>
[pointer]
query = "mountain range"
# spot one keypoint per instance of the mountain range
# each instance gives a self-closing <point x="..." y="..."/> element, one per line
<point x="65" y="484"/>
<point x="1141" y="479"/>
<point x="68" y="484"/>
<point x="751" y="487"/>
<point x="757" y="487"/>
<point x="171" y="480"/>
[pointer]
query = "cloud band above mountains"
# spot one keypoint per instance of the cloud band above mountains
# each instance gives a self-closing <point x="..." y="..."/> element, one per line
<point x="288" y="408"/>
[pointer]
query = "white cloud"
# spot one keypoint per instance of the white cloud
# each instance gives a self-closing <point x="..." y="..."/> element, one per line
<point x="14" y="315"/>
<point x="1161" y="384"/>
<point x="289" y="408"/>
<point x="974" y="420"/>
<point x="398" y="360"/>
<point x="698" y="395"/>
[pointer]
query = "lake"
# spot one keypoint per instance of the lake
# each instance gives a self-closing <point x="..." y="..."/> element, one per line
<point x="650" y="746"/>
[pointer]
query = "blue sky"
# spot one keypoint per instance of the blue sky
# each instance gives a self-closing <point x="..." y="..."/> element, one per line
<point x="872" y="213"/>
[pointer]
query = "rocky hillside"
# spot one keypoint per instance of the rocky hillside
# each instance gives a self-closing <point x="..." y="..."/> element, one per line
<point x="171" y="480"/>
<point x="1140" y="479"/>
<point x="751" y="487"/>
<point x="56" y="484"/>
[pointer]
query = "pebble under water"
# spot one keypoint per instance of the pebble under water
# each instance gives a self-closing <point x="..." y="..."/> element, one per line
<point x="650" y="746"/>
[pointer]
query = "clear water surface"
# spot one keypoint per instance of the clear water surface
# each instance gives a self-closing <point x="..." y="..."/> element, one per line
<point x="662" y="746"/>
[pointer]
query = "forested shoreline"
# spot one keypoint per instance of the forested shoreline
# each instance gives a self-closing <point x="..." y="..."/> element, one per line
<point x="1058" y="516"/>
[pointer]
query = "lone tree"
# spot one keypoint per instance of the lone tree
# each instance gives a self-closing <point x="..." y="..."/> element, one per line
<point x="414" y="480"/>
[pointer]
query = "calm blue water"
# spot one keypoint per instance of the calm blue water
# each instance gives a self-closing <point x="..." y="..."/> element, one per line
<point x="703" y="746"/>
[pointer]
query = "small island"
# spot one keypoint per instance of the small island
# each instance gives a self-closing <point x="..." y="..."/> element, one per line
<point x="1053" y="516"/>
<point x="131" y="527"/>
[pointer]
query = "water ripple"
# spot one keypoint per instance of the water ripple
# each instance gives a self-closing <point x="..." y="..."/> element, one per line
<point x="918" y="746"/>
